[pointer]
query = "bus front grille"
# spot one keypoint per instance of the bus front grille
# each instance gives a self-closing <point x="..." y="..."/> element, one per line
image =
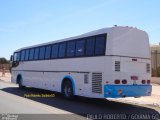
<point x="97" y="82"/>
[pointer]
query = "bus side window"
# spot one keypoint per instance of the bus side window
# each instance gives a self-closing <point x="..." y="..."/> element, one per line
<point x="54" y="53"/>
<point x="26" y="55"/>
<point x="48" y="52"/>
<point x="71" y="48"/>
<point x="18" y="56"/>
<point x="42" y="53"/>
<point x="62" y="50"/>
<point x="15" y="57"/>
<point x="22" y="55"/>
<point x="36" y="53"/>
<point x="31" y="54"/>
<point x="100" y="45"/>
<point x="80" y="44"/>
<point x="90" y="43"/>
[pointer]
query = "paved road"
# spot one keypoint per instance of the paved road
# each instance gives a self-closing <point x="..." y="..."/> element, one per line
<point x="12" y="100"/>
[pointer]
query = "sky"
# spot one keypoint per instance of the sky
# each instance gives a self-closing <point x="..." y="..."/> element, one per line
<point x="30" y="22"/>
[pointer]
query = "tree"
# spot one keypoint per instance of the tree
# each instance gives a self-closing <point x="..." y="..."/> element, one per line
<point x="4" y="61"/>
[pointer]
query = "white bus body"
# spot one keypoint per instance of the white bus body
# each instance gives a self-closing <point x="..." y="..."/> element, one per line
<point x="122" y="71"/>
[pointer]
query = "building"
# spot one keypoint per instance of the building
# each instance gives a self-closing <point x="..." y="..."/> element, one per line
<point x="155" y="60"/>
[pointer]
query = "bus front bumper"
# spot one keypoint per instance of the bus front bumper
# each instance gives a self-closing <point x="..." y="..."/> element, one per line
<point x="116" y="91"/>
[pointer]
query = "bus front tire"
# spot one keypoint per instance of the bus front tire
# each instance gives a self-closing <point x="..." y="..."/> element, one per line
<point x="21" y="86"/>
<point x="68" y="90"/>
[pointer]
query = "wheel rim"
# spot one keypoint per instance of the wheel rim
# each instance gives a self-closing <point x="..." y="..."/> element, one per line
<point x="67" y="91"/>
<point x="20" y="83"/>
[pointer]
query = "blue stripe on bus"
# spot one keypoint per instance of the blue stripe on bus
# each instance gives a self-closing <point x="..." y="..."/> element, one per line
<point x="70" y="78"/>
<point x="127" y="90"/>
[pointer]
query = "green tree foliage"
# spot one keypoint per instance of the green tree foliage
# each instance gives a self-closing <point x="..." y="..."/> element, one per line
<point x="4" y="61"/>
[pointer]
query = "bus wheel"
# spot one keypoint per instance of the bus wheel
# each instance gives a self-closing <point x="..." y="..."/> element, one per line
<point x="68" y="90"/>
<point x="20" y="83"/>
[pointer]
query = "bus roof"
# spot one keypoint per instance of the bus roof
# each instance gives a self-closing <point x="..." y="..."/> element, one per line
<point x="92" y="33"/>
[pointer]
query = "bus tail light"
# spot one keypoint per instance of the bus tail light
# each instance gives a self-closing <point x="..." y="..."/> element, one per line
<point x="117" y="81"/>
<point x="143" y="82"/>
<point x="134" y="77"/>
<point x="124" y="81"/>
<point x="148" y="81"/>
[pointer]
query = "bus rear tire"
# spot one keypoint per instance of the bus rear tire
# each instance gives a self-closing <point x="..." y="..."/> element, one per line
<point x="68" y="90"/>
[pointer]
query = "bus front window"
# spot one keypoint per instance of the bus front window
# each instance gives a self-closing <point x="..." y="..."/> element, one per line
<point x="15" y="59"/>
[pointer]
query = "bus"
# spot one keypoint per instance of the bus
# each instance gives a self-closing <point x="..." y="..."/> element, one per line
<point x="113" y="62"/>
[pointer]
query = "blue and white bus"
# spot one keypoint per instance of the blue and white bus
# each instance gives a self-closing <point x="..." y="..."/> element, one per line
<point x="107" y="63"/>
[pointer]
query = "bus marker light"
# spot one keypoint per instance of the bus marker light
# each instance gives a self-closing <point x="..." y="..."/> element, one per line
<point x="117" y="81"/>
<point x="148" y="81"/>
<point x="124" y="81"/>
<point x="143" y="81"/>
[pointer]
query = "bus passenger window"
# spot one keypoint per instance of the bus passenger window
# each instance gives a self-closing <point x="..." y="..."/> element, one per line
<point x="48" y="52"/>
<point x="71" y="49"/>
<point x="54" y="53"/>
<point x="18" y="56"/>
<point x="22" y="55"/>
<point x="100" y="45"/>
<point x="36" y="54"/>
<point x="62" y="48"/>
<point x="31" y="54"/>
<point x="26" y="55"/>
<point x="80" y="47"/>
<point x="90" y="46"/>
<point x="42" y="52"/>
